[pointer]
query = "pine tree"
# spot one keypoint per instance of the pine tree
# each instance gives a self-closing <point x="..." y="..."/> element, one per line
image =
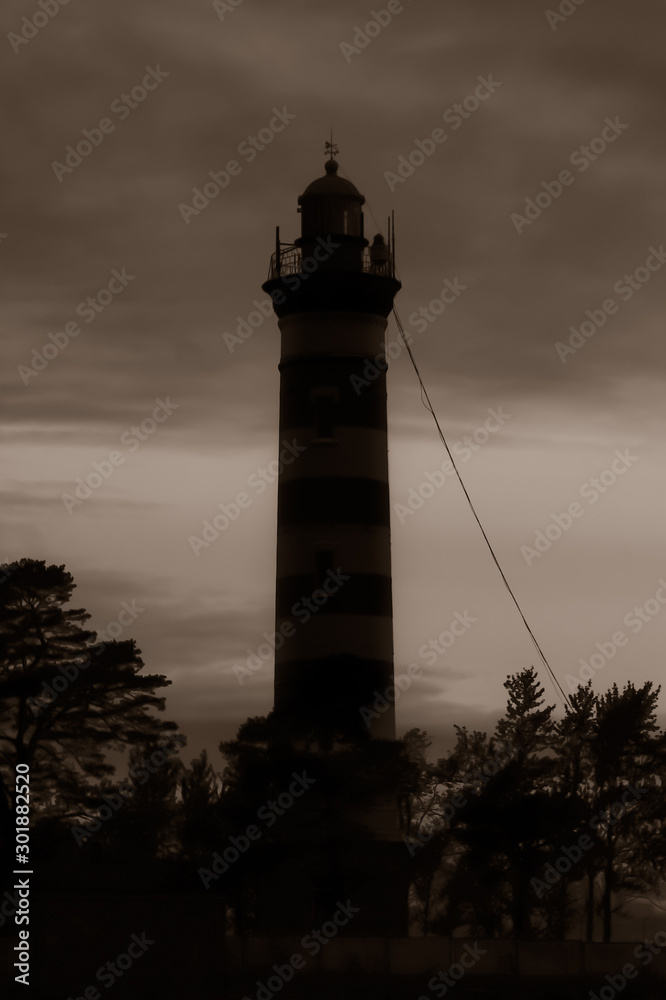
<point x="65" y="700"/>
<point x="512" y="819"/>
<point x="629" y="771"/>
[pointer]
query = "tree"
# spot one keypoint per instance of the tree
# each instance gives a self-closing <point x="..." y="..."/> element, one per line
<point x="137" y="818"/>
<point x="200" y="789"/>
<point x="611" y="767"/>
<point x="65" y="700"/>
<point x="428" y="836"/>
<point x="629" y="770"/>
<point x="508" y="818"/>
<point x="580" y="801"/>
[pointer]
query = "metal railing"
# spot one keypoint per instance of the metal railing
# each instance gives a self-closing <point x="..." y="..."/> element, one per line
<point x="290" y="261"/>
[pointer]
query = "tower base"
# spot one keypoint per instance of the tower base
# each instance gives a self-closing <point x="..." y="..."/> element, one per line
<point x="352" y="889"/>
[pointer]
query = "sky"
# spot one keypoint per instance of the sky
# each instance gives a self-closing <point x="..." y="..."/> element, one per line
<point x="544" y="189"/>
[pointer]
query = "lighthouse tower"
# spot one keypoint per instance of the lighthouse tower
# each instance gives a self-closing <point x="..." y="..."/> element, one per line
<point x="332" y="292"/>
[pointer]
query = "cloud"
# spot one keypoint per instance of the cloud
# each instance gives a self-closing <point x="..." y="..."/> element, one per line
<point x="164" y="335"/>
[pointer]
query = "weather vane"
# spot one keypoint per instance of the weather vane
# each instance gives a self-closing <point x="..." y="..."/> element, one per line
<point x="331" y="149"/>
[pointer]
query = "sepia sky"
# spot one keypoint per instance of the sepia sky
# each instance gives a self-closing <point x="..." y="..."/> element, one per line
<point x="581" y="93"/>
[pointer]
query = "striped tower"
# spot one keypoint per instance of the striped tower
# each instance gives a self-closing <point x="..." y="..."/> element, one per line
<point x="332" y="293"/>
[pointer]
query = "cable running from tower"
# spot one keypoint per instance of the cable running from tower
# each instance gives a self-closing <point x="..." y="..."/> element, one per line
<point x="428" y="405"/>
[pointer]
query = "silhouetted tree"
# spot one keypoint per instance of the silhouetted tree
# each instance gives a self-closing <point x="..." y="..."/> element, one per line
<point x="200" y="789"/>
<point x="138" y="817"/>
<point x="574" y="778"/>
<point x="629" y="767"/>
<point x="428" y="836"/>
<point x="597" y="773"/>
<point x="65" y="700"/>
<point x="510" y="817"/>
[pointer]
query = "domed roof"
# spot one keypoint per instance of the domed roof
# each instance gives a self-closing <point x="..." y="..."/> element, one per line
<point x="331" y="184"/>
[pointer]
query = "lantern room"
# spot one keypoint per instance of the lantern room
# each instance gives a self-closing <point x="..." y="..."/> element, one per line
<point x="331" y="205"/>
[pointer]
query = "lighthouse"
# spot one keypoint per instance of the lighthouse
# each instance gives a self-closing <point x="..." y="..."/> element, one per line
<point x="332" y="291"/>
